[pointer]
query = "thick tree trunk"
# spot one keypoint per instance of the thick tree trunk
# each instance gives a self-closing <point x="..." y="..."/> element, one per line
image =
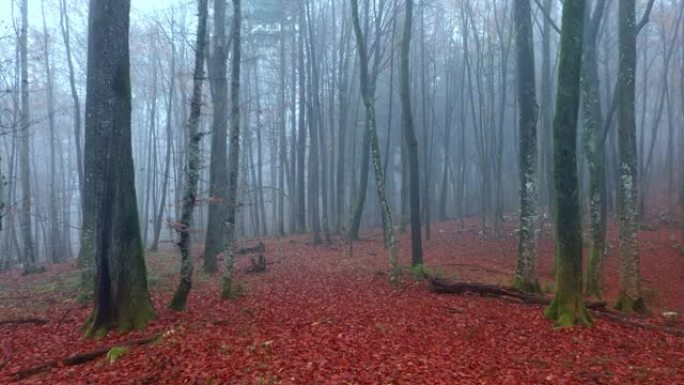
<point x="568" y="308"/>
<point x="410" y="138"/>
<point x="526" y="271"/>
<point x="192" y="166"/>
<point x="121" y="297"/>
<point x="227" y="290"/>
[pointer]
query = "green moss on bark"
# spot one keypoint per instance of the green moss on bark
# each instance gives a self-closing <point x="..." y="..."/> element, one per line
<point x="627" y="304"/>
<point x="568" y="311"/>
<point x="526" y="286"/>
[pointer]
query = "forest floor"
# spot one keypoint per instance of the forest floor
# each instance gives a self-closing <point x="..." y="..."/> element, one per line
<point x="320" y="316"/>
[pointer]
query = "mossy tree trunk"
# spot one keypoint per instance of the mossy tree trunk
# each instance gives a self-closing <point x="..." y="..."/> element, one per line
<point x="629" y="297"/>
<point x="217" y="65"/>
<point x="592" y="120"/>
<point x="371" y="126"/>
<point x="568" y="308"/>
<point x="525" y="271"/>
<point x="234" y="148"/>
<point x="192" y="165"/>
<point x="121" y="296"/>
<point x="410" y="139"/>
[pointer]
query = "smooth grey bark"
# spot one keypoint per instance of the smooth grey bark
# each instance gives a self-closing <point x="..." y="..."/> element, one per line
<point x="282" y="150"/>
<point x="192" y="165"/>
<point x="55" y="250"/>
<point x="227" y="290"/>
<point x="410" y="139"/>
<point x="159" y="211"/>
<point x="592" y="120"/>
<point x="28" y="254"/>
<point x="218" y="174"/>
<point x="567" y="307"/>
<point x="301" y="127"/>
<point x="360" y="198"/>
<point x="121" y="297"/>
<point x="313" y="108"/>
<point x="629" y="297"/>
<point x="371" y="125"/>
<point x="525" y="271"/>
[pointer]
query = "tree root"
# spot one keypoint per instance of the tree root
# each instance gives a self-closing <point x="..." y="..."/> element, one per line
<point x="80" y="358"/>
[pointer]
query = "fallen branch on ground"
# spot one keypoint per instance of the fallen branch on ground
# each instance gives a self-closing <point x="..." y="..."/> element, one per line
<point x="80" y="358"/>
<point x="20" y="321"/>
<point x="441" y="286"/>
<point x="625" y="320"/>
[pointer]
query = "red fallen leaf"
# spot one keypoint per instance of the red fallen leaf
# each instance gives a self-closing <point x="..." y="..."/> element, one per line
<point x="365" y="331"/>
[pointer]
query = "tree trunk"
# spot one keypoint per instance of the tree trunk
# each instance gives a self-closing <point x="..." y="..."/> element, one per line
<point x="526" y="271"/>
<point x="28" y="253"/>
<point x="55" y="251"/>
<point x="629" y="298"/>
<point x="595" y="151"/>
<point x="214" y="240"/>
<point x="184" y="228"/>
<point x="227" y="290"/>
<point x="159" y="215"/>
<point x="121" y="296"/>
<point x="371" y="125"/>
<point x="568" y="308"/>
<point x="410" y="138"/>
<point x="301" y="136"/>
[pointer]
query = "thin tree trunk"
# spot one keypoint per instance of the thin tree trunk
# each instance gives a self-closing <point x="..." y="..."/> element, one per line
<point x="28" y="252"/>
<point x="371" y="124"/>
<point x="410" y="138"/>
<point x="192" y="166"/>
<point x="227" y="290"/>
<point x="158" y="220"/>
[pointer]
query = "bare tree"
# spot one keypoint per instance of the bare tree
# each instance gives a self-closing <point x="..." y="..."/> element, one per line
<point x="227" y="290"/>
<point x="191" y="176"/>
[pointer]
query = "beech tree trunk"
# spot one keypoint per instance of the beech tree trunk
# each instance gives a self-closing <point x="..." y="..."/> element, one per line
<point x="410" y="139"/>
<point x="192" y="165"/>
<point x="28" y="255"/>
<point x="121" y="297"/>
<point x="629" y="298"/>
<point x="214" y="240"/>
<point x="227" y="290"/>
<point x="371" y="126"/>
<point x="568" y="308"/>
<point x="525" y="271"/>
<point x="592" y="120"/>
